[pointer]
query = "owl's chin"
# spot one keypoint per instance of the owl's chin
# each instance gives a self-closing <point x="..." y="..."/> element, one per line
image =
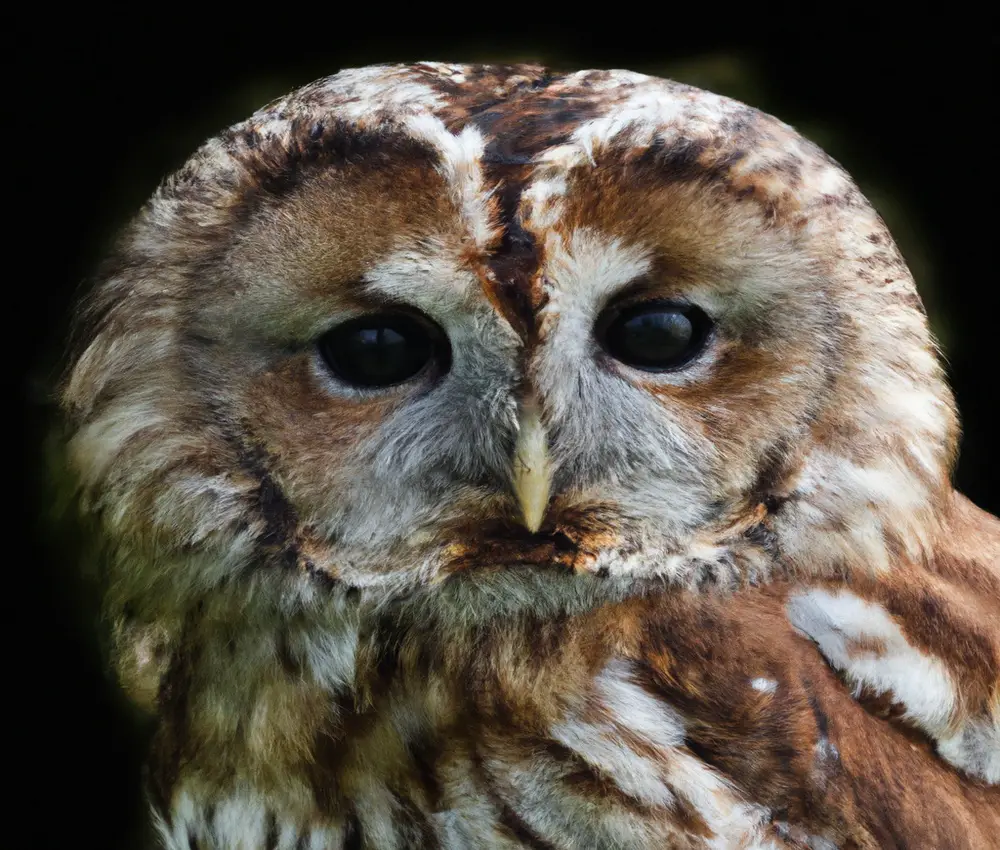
<point x="598" y="538"/>
<point x="495" y="548"/>
<point x="568" y="541"/>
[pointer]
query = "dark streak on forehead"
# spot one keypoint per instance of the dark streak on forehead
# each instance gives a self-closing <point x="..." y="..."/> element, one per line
<point x="481" y="87"/>
<point x="541" y="120"/>
<point x="521" y="111"/>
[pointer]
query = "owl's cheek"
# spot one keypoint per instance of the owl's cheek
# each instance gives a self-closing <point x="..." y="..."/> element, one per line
<point x="306" y="437"/>
<point x="747" y="393"/>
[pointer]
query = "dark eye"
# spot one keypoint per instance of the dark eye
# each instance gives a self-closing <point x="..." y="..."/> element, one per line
<point x="383" y="349"/>
<point x="655" y="336"/>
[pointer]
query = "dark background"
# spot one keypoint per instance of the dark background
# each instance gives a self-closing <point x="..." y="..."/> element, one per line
<point x="98" y="115"/>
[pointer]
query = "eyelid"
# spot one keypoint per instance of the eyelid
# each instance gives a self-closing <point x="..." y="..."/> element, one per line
<point x="649" y="293"/>
<point x="374" y="307"/>
<point x="652" y="289"/>
<point x="612" y="311"/>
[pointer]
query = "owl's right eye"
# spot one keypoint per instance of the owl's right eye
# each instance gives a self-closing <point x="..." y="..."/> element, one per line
<point x="384" y="349"/>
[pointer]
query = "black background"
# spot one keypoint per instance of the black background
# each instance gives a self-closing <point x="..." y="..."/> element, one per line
<point x="97" y="114"/>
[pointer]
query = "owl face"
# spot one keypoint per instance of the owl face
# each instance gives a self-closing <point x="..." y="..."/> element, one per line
<point x="414" y="324"/>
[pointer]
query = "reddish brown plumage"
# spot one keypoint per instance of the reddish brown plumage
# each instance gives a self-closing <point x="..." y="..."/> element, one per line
<point x="814" y="756"/>
<point x="754" y="614"/>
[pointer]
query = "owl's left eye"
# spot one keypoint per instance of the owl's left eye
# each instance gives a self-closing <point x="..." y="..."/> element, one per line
<point x="382" y="350"/>
<point x="656" y="336"/>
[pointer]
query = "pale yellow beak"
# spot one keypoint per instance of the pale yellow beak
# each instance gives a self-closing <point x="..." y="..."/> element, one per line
<point x="532" y="468"/>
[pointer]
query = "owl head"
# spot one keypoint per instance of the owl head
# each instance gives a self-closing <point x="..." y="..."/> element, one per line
<point x="412" y="326"/>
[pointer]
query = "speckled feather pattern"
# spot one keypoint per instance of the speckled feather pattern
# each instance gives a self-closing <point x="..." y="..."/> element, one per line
<point x="756" y="615"/>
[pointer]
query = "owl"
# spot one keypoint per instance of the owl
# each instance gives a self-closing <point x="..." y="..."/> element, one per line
<point x="486" y="457"/>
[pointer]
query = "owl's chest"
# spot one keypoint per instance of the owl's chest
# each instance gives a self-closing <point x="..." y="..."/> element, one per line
<point x="683" y="722"/>
<point x="549" y="767"/>
<point x="528" y="749"/>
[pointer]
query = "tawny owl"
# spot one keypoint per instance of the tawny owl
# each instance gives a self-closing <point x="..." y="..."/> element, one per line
<point x="491" y="458"/>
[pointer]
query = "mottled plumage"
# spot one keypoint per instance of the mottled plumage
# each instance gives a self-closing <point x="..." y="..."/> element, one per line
<point x="539" y="598"/>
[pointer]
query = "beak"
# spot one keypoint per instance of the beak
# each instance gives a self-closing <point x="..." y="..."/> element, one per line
<point x="532" y="468"/>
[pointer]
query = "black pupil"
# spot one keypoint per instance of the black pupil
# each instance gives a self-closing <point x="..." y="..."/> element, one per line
<point x="656" y="337"/>
<point x="378" y="351"/>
